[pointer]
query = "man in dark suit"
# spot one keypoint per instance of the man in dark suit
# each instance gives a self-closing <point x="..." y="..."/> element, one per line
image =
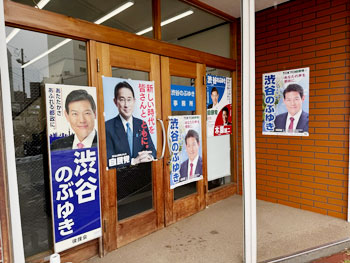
<point x="214" y="94"/>
<point x="295" y="120"/>
<point x="224" y="115"/>
<point x="127" y="137"/>
<point x="192" y="167"/>
<point x="80" y="112"/>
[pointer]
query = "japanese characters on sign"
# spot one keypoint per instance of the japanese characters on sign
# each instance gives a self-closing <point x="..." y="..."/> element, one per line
<point x="130" y="121"/>
<point x="75" y="191"/>
<point x="286" y="102"/>
<point x="219" y="105"/>
<point x="183" y="98"/>
<point x="184" y="139"/>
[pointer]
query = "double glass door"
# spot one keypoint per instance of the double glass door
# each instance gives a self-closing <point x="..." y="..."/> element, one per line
<point x="137" y="200"/>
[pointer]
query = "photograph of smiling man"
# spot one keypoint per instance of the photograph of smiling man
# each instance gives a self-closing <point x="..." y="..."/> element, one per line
<point x="130" y="121"/>
<point x="80" y="112"/>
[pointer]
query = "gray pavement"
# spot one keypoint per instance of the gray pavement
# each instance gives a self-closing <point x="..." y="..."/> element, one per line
<point x="216" y="235"/>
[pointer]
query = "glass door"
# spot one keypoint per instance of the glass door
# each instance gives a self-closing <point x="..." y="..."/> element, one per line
<point x="187" y="199"/>
<point x="132" y="201"/>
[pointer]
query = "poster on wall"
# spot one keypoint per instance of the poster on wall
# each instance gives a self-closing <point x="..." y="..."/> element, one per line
<point x="130" y="121"/>
<point x="286" y="102"/>
<point x="73" y="156"/>
<point x="219" y="105"/>
<point x="185" y="147"/>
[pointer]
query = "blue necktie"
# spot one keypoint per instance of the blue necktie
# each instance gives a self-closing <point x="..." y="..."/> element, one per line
<point x="129" y="134"/>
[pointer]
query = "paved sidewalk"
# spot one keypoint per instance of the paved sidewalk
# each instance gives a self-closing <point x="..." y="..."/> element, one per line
<point x="216" y="235"/>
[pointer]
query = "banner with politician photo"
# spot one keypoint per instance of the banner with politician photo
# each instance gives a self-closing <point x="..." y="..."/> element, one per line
<point x="73" y="157"/>
<point x="286" y="102"/>
<point x="130" y="121"/>
<point x="185" y="147"/>
<point x="219" y="105"/>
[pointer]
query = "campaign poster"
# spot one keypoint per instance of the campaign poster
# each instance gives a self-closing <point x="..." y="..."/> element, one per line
<point x="219" y="105"/>
<point x="73" y="156"/>
<point x="183" y="98"/>
<point x="130" y="121"/>
<point x="185" y="147"/>
<point x="286" y="102"/>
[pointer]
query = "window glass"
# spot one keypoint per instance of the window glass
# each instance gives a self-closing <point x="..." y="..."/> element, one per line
<point x="198" y="30"/>
<point x="135" y="18"/>
<point x="64" y="65"/>
<point x="134" y="184"/>
<point x="219" y="147"/>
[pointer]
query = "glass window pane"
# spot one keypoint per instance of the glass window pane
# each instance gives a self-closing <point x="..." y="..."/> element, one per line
<point x="64" y="65"/>
<point x="199" y="30"/>
<point x="135" y="18"/>
<point x="218" y="146"/>
<point x="134" y="183"/>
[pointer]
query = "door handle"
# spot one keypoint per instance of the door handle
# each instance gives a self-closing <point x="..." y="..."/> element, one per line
<point x="164" y="140"/>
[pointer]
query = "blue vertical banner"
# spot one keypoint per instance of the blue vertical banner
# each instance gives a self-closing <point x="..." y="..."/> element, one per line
<point x="185" y="147"/>
<point x="74" y="164"/>
<point x="183" y="98"/>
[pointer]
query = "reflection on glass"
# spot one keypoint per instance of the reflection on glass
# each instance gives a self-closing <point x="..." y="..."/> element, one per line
<point x="134" y="183"/>
<point x="216" y="145"/>
<point x="65" y="65"/>
<point x="198" y="30"/>
<point x="130" y="16"/>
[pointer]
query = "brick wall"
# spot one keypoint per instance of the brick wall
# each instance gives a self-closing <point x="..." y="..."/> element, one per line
<point x="310" y="173"/>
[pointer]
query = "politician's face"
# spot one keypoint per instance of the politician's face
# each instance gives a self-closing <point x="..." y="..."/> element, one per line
<point x="224" y="116"/>
<point x="81" y="118"/>
<point x="125" y="103"/>
<point x="293" y="102"/>
<point x="214" y="97"/>
<point x="192" y="147"/>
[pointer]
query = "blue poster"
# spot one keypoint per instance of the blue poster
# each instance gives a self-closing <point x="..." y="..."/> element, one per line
<point x="73" y="154"/>
<point x="183" y="98"/>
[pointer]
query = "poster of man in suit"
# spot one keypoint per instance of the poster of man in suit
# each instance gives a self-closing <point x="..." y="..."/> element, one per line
<point x="185" y="144"/>
<point x="219" y="105"/>
<point x="286" y="102"/>
<point x="130" y="121"/>
<point x="71" y="113"/>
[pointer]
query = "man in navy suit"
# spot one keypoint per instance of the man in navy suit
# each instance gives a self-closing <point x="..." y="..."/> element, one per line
<point x="295" y="120"/>
<point x="214" y="94"/>
<point x="192" y="167"/>
<point x="127" y="138"/>
<point x="80" y="112"/>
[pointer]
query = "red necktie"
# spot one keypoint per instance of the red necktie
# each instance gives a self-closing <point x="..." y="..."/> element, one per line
<point x="191" y="170"/>
<point x="290" y="128"/>
<point x="80" y="145"/>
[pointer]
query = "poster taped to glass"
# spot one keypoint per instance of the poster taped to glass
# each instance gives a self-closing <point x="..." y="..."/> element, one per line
<point x="185" y="147"/>
<point x="286" y="102"/>
<point x="219" y="105"/>
<point x="73" y="156"/>
<point x="130" y="121"/>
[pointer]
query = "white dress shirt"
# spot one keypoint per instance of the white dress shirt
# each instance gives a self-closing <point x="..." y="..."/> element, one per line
<point x="295" y="122"/>
<point x="195" y="161"/>
<point x="87" y="142"/>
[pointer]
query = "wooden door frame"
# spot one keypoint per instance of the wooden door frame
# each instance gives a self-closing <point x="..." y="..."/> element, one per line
<point x="176" y="210"/>
<point x="5" y="244"/>
<point x="114" y="232"/>
<point x="22" y="16"/>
